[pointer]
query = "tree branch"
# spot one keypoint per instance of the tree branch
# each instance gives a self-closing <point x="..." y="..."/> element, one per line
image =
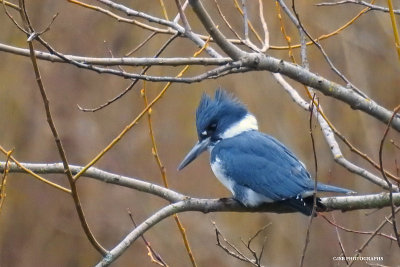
<point x="262" y="62"/>
<point x="97" y="174"/>
<point x="343" y="203"/>
<point x="214" y="205"/>
<point x="229" y="48"/>
<point x="174" y="25"/>
<point x="182" y="203"/>
<point x="358" y="2"/>
<point x="124" y="61"/>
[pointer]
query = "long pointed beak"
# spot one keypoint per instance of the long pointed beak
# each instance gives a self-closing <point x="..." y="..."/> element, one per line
<point x="198" y="148"/>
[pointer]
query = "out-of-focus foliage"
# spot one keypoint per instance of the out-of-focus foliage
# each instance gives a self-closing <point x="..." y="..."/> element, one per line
<point x="39" y="226"/>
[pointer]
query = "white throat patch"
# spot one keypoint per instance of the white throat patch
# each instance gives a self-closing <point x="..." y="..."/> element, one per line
<point x="249" y="122"/>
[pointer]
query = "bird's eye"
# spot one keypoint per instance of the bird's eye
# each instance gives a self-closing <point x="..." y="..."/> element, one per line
<point x="211" y="128"/>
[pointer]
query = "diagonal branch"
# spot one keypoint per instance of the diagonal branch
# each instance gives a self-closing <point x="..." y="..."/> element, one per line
<point x="392" y="206"/>
<point x="133" y="83"/>
<point x="328" y="133"/>
<point x="229" y="48"/>
<point x="212" y="205"/>
<point x="262" y="62"/>
<point x="56" y="136"/>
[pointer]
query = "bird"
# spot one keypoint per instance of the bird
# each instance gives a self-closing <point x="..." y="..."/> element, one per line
<point x="255" y="167"/>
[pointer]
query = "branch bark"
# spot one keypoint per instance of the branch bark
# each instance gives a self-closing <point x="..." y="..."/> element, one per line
<point x="343" y="203"/>
<point x="124" y="61"/>
<point x="214" y="205"/>
<point x="182" y="203"/>
<point x="262" y="62"/>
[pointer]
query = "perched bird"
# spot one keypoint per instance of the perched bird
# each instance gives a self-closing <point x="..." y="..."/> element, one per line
<point x="254" y="166"/>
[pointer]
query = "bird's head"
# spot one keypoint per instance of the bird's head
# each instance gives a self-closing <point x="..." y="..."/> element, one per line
<point x="217" y="119"/>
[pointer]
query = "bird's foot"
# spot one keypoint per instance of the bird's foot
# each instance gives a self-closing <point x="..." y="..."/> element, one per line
<point x="225" y="200"/>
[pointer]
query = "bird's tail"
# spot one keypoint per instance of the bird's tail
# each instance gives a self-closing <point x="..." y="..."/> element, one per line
<point x="303" y="205"/>
<point x="330" y="188"/>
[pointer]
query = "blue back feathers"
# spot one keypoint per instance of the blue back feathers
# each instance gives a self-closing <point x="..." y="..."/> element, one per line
<point x="250" y="163"/>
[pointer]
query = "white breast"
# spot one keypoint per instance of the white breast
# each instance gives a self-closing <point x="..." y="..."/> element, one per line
<point x="218" y="170"/>
<point x="251" y="197"/>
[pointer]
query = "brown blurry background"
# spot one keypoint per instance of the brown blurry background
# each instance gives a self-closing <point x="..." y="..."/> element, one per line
<point x="39" y="225"/>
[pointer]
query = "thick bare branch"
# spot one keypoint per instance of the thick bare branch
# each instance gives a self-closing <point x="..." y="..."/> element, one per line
<point x="229" y="48"/>
<point x="344" y="203"/>
<point x="213" y="205"/>
<point x="97" y="174"/>
<point x="182" y="203"/>
<point x="262" y="62"/>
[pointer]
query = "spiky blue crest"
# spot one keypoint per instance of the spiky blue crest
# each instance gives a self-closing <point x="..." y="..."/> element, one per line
<point x="218" y="114"/>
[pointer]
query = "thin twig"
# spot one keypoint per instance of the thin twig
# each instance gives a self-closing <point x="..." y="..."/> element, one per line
<point x="250" y="25"/>
<point x="122" y="19"/>
<point x="3" y="181"/>
<point x="189" y="34"/>
<point x="182" y="15"/>
<point x="358" y="2"/>
<point x="129" y="126"/>
<point x="16" y="7"/>
<point x="337" y="226"/>
<point x="339" y="239"/>
<point x="12" y="18"/>
<point x="283" y="30"/>
<point x="343" y="138"/>
<point x="233" y="251"/>
<point x="154" y="256"/>
<point x="169" y="41"/>
<point x="265" y="27"/>
<point x="227" y="22"/>
<point x="230" y="49"/>
<point x="245" y="21"/>
<point x="145" y="41"/>
<point x="56" y="137"/>
<point x="245" y="42"/>
<point x="35" y="175"/>
<point x="176" y="28"/>
<point x="395" y="32"/>
<point x="307" y="240"/>
<point x="396" y="233"/>
<point x="236" y="253"/>
<point x="316" y="42"/>
<point x="163" y="172"/>
<point x="178" y="16"/>
<point x="375" y="233"/>
<point x="394" y="143"/>
<point x="164" y="10"/>
<point x="327" y="130"/>
<point x="333" y="33"/>
<point x="233" y="67"/>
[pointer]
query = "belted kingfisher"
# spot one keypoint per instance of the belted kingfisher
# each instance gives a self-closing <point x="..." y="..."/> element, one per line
<point x="254" y="166"/>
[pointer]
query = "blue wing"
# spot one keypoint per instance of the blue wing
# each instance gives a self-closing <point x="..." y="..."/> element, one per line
<point x="262" y="163"/>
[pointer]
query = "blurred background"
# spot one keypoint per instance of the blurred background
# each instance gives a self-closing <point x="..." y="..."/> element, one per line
<point x="39" y="225"/>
